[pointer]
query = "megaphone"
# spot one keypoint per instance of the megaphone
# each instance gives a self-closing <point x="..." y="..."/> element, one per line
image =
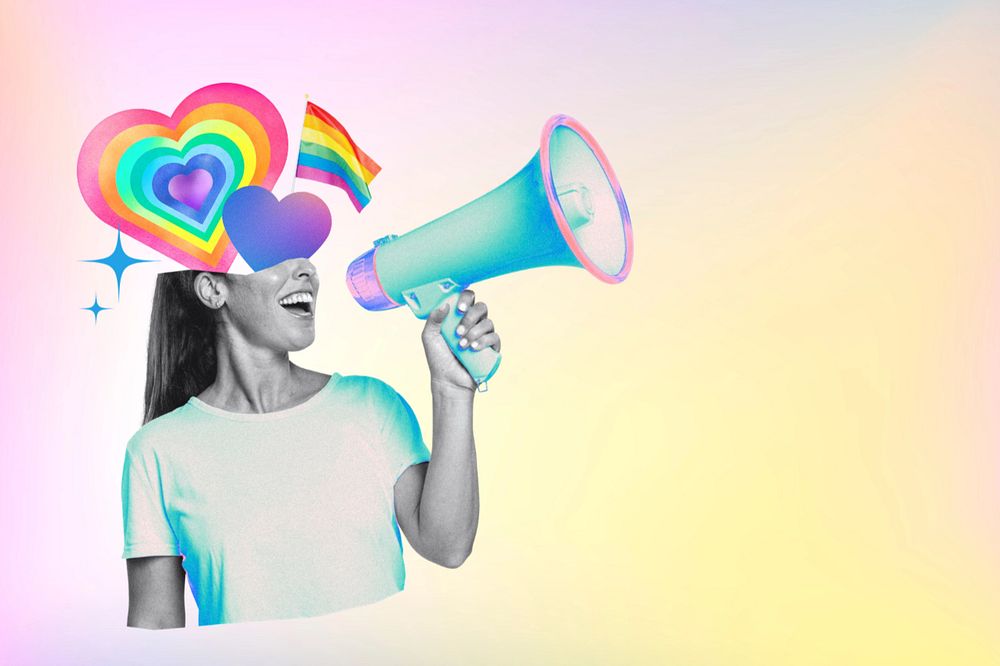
<point x="564" y="208"/>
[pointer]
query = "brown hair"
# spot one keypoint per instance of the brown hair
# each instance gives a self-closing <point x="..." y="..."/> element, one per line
<point x="180" y="357"/>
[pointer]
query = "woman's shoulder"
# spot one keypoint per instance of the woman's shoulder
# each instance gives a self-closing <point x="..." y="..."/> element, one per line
<point x="372" y="393"/>
<point x="366" y="385"/>
<point x="160" y="431"/>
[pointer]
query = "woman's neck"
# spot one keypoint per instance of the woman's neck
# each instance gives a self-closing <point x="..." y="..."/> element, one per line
<point x="253" y="380"/>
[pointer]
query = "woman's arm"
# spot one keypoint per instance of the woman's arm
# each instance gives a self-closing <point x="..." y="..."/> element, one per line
<point x="437" y="503"/>
<point x="155" y="592"/>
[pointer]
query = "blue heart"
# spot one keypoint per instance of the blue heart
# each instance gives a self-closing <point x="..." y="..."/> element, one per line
<point x="266" y="231"/>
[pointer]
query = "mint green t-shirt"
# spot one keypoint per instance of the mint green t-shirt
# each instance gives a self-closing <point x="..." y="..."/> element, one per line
<point x="277" y="515"/>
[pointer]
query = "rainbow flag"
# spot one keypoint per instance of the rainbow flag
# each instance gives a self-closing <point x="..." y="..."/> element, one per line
<point x="328" y="154"/>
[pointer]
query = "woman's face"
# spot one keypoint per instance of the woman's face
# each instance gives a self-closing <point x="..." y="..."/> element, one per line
<point x="275" y="307"/>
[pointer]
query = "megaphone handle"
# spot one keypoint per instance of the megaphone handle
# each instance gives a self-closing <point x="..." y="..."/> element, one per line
<point x="482" y="363"/>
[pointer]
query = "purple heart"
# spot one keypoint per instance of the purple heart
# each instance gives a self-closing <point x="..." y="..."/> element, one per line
<point x="266" y="231"/>
<point x="164" y="188"/>
<point x="191" y="189"/>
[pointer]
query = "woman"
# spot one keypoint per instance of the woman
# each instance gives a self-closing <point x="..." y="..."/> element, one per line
<point x="281" y="491"/>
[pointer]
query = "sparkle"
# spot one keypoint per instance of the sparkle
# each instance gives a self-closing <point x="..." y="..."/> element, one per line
<point x="95" y="308"/>
<point x="117" y="261"/>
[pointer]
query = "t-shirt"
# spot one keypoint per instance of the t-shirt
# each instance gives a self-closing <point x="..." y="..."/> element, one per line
<point x="277" y="515"/>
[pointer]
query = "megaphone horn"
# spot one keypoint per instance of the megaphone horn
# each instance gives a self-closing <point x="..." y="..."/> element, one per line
<point x="564" y="208"/>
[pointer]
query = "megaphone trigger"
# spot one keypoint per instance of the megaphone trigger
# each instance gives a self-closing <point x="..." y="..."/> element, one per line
<point x="426" y="298"/>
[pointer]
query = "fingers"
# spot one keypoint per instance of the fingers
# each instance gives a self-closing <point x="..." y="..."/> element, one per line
<point x="480" y="336"/>
<point x="474" y="330"/>
<point x="465" y="300"/>
<point x="438" y="314"/>
<point x="488" y="340"/>
<point x="432" y="326"/>
<point x="473" y="315"/>
<point x="480" y="329"/>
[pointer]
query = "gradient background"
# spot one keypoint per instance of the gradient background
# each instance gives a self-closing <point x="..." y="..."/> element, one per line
<point x="775" y="443"/>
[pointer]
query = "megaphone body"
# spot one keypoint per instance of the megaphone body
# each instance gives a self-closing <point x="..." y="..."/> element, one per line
<point x="564" y="208"/>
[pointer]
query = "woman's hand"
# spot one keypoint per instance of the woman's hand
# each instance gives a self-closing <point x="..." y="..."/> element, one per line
<point x="476" y="332"/>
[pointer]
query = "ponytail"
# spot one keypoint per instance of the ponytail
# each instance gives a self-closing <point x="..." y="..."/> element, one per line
<point x="180" y="357"/>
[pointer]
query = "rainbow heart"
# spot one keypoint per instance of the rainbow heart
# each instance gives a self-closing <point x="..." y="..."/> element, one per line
<point x="164" y="180"/>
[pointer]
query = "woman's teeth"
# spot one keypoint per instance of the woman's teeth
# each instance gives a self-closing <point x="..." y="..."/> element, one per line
<point x="298" y="297"/>
<point x="297" y="304"/>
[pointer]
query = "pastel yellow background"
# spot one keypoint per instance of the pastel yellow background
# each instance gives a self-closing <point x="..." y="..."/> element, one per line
<point x="775" y="443"/>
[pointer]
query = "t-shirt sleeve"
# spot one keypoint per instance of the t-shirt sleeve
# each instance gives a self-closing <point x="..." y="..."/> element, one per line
<point x="147" y="529"/>
<point x="402" y="442"/>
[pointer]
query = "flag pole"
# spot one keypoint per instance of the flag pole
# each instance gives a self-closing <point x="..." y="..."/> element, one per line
<point x="297" y="154"/>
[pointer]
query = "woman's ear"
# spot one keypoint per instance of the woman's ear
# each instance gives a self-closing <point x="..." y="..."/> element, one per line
<point x="211" y="289"/>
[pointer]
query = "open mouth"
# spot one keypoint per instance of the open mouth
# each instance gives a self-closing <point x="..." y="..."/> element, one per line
<point x="299" y="304"/>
